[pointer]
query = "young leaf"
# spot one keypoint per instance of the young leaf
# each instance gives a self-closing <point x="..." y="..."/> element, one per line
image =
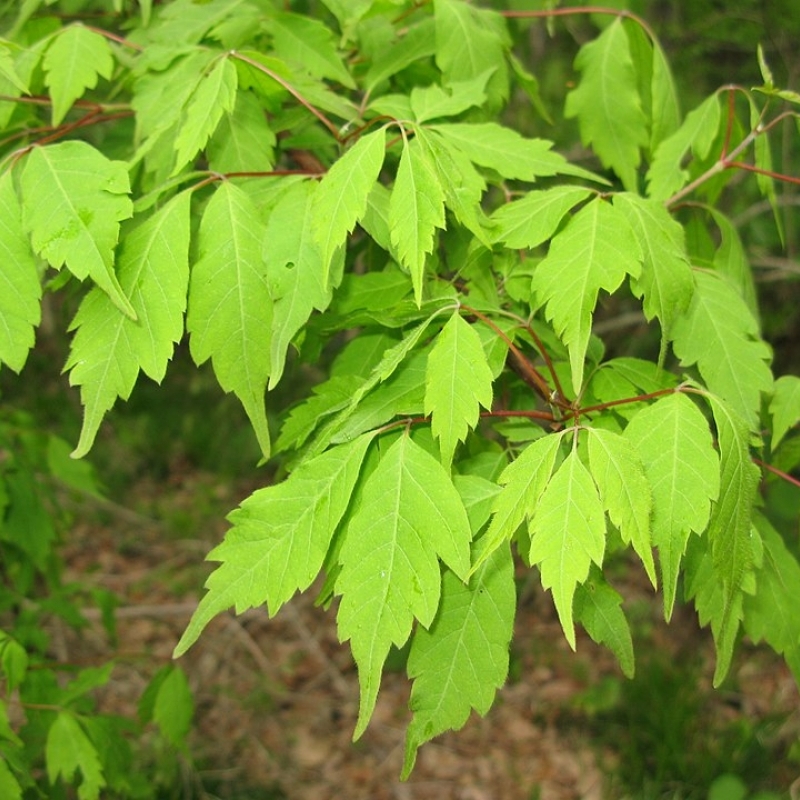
<point x="666" y="282"/>
<point x="68" y="750"/>
<point x="414" y="43"/>
<point x="173" y="707"/>
<point x="230" y="308"/>
<point x="785" y="407"/>
<point x="624" y="490"/>
<point x="73" y="199"/>
<point x="109" y="349"/>
<point x="295" y="271"/>
<point x="409" y="516"/>
<point x="279" y="538"/>
<point x="9" y="785"/>
<point x="532" y="220"/>
<point x="309" y="44"/>
<point x="568" y="534"/>
<point x="20" y="288"/>
<point x="462" y="660"/>
<point x="665" y="107"/>
<point x="698" y="131"/>
<point x="243" y="141"/>
<point x="720" y="335"/>
<point x="598" y="609"/>
<point x="213" y="95"/>
<point x="416" y="209"/>
<point x="607" y="103"/>
<point x="458" y="381"/>
<point x="434" y="101"/>
<point x="674" y="443"/>
<point x="524" y="479"/>
<point x="730" y="527"/>
<point x="72" y="64"/>
<point x="342" y="197"/>
<point x="596" y="250"/>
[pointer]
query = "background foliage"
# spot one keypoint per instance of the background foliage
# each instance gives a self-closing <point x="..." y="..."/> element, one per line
<point x="503" y="306"/>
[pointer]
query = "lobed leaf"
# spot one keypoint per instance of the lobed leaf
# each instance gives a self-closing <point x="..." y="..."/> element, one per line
<point x="607" y="103"/>
<point x="279" y="538"/>
<point x="409" y="515"/>
<point x="230" y="308"/>
<point x="596" y="250"/>
<point x="674" y="443"/>
<point x="20" y="287"/>
<point x="73" y="199"/>
<point x="458" y="382"/>
<point x="109" y="348"/>
<point x="68" y="750"/>
<point x="462" y="660"/>
<point x="72" y="64"/>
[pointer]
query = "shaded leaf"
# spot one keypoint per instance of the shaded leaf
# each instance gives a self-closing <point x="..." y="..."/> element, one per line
<point x="785" y="407"/>
<point x="69" y="750"/>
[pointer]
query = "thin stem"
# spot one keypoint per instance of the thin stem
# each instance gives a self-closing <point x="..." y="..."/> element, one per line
<point x="567" y="12"/>
<point x="115" y="38"/>
<point x="638" y="399"/>
<point x="779" y="472"/>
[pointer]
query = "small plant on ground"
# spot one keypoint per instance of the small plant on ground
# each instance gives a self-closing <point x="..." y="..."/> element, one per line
<point x="335" y="186"/>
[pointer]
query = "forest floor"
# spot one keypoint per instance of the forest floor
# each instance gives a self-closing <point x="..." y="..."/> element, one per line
<point x="276" y="699"/>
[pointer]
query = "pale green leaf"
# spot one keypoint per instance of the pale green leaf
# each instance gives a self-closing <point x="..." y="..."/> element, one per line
<point x="69" y="750"/>
<point x="458" y="382"/>
<point x="596" y="250"/>
<point x="295" y="271"/>
<point x="230" y="308"/>
<point x="243" y="141"/>
<point x="462" y="660"/>
<point x="9" y="786"/>
<point x="173" y="707"/>
<point x="309" y="44"/>
<point x="720" y="335"/>
<point x="524" y="480"/>
<point x="607" y="103"/>
<point x="342" y="196"/>
<point x="409" y="516"/>
<point x="598" y="609"/>
<point x="698" y="132"/>
<point x="279" y="538"/>
<point x="213" y="95"/>
<point x="434" y="101"/>
<point x="674" y="443"/>
<point x="470" y="41"/>
<point x="624" y="491"/>
<point x="532" y="220"/>
<point x="8" y="72"/>
<point x="731" y="260"/>
<point x="731" y="524"/>
<point x="568" y="534"/>
<point x="108" y="348"/>
<point x="416" y="210"/>
<point x="20" y="288"/>
<point x="478" y="495"/>
<point x="666" y="282"/>
<point x="73" y="199"/>
<point x="784" y="407"/>
<point x="413" y="44"/>
<point x="72" y="64"/>
<point x="665" y="106"/>
<point x="505" y="151"/>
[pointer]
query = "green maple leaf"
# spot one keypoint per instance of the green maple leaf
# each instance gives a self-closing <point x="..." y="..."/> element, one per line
<point x="674" y="443"/>
<point x="568" y="534"/>
<point x="784" y="407"/>
<point x="720" y="335"/>
<point x="458" y="381"/>
<point x="697" y="132"/>
<point x="295" y="271"/>
<point x="342" y="196"/>
<point x="230" y="307"/>
<point x="279" y="538"/>
<point x="462" y="660"/>
<point x="213" y="95"/>
<point x="599" y="609"/>
<point x="20" y="288"/>
<point x="596" y="250"/>
<point x="624" y="490"/>
<point x="72" y="64"/>
<point x="109" y="349"/>
<point x="666" y="282"/>
<point x="69" y="750"/>
<point x="409" y="516"/>
<point x="73" y="199"/>
<point x="434" y="101"/>
<point x="416" y="209"/>
<point x="607" y="103"/>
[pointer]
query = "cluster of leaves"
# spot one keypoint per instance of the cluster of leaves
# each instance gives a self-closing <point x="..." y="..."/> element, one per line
<point x="335" y="188"/>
